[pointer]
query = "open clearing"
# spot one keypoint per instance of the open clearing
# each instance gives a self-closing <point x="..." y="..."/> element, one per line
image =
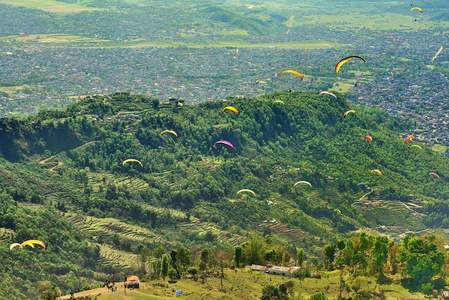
<point x="239" y="284"/>
<point x="51" y="38"/>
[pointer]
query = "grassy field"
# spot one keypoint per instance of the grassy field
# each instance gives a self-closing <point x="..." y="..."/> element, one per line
<point x="50" y="5"/>
<point x="243" y="284"/>
<point x="228" y="43"/>
<point x="439" y="148"/>
<point x="51" y="38"/>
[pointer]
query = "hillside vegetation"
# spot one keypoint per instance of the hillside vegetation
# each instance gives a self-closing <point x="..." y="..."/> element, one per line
<point x="64" y="183"/>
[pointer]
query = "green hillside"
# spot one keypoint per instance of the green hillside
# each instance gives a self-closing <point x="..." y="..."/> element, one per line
<point x="64" y="183"/>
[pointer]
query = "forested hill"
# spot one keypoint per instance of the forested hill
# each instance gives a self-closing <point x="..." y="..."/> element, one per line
<point x="63" y="181"/>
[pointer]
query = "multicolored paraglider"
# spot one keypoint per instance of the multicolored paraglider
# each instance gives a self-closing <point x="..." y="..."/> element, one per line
<point x="349" y="111"/>
<point x="291" y="71"/>
<point x="368" y="137"/>
<point x="224" y="143"/>
<point x="376" y="171"/>
<point x="344" y="60"/>
<point x="408" y="138"/>
<point x="131" y="160"/>
<point x="31" y="242"/>
<point x="169" y="131"/>
<point x="329" y="93"/>
<point x="435" y="174"/>
<point x="303" y="182"/>
<point x="231" y="109"/>
<point x="416" y="8"/>
<point x="246" y="190"/>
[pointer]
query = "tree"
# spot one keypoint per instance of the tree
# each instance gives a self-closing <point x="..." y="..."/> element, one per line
<point x="155" y="103"/>
<point x="423" y="260"/>
<point x="164" y="267"/>
<point x="48" y="290"/>
<point x="183" y="259"/>
<point x="254" y="252"/>
<point x="238" y="255"/>
<point x="192" y="271"/>
<point x="268" y="240"/>
<point x="329" y="252"/>
<point x="270" y="292"/>
<point x="380" y="252"/>
<point x="393" y="254"/>
<point x="144" y="254"/>
<point x="222" y="258"/>
<point x="300" y="257"/>
<point x="174" y="262"/>
<point x="204" y="259"/>
<point x="318" y="296"/>
<point x="172" y="274"/>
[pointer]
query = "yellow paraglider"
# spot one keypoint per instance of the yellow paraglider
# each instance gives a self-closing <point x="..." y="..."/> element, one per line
<point x="416" y="8"/>
<point x="32" y="242"/>
<point x="303" y="182"/>
<point x="344" y="60"/>
<point x="349" y="111"/>
<point x="245" y="190"/>
<point x="130" y="160"/>
<point x="170" y="131"/>
<point x="376" y="171"/>
<point x="13" y="245"/>
<point x="231" y="109"/>
<point x="415" y="146"/>
<point x="278" y="101"/>
<point x="291" y="71"/>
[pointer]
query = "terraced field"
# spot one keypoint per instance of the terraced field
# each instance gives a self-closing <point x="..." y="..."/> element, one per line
<point x="107" y="227"/>
<point x="196" y="225"/>
<point x="96" y="180"/>
<point x="288" y="231"/>
<point x="112" y="258"/>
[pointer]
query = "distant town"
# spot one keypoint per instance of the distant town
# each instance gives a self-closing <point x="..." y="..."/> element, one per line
<point x="401" y="76"/>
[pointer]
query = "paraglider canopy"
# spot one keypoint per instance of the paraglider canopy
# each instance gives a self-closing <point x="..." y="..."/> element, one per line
<point x="303" y="182"/>
<point x="278" y="101"/>
<point x="231" y="109"/>
<point x="32" y="242"/>
<point x="170" y="131"/>
<point x="329" y="93"/>
<point x="368" y="137"/>
<point x="349" y="111"/>
<point x="291" y="71"/>
<point x="246" y="190"/>
<point x="435" y="174"/>
<point x="416" y="146"/>
<point x="376" y="171"/>
<point x="408" y="138"/>
<point x="13" y="245"/>
<point x="130" y="160"/>
<point x="344" y="60"/>
<point x="224" y="143"/>
<point x="416" y="8"/>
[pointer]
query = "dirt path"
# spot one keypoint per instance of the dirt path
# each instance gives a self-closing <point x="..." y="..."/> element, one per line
<point x="438" y="53"/>
<point x="119" y="294"/>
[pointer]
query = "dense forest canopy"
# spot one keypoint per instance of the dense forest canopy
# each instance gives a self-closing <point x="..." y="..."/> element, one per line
<point x="61" y="164"/>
